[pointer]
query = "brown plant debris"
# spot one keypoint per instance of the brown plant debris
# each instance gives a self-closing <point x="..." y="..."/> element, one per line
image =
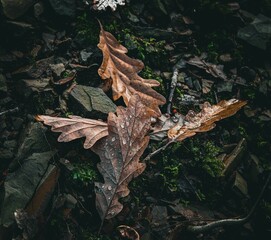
<point x="205" y="119"/>
<point x="123" y="71"/>
<point x="76" y="127"/>
<point x="119" y="153"/>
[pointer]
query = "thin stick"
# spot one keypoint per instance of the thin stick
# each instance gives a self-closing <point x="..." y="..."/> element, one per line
<point x="158" y="150"/>
<point x="230" y="221"/>
<point x="172" y="88"/>
<point x="13" y="110"/>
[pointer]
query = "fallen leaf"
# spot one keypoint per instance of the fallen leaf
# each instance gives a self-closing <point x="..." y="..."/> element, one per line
<point x="119" y="153"/>
<point x="204" y="120"/>
<point x="215" y="70"/>
<point x="163" y="124"/>
<point x="76" y="127"/>
<point x="123" y="72"/>
<point x="44" y="192"/>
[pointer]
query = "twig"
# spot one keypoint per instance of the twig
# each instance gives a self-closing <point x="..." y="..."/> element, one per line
<point x="172" y="88"/>
<point x="149" y="156"/>
<point x="230" y="221"/>
<point x="13" y="110"/>
<point x="179" y="65"/>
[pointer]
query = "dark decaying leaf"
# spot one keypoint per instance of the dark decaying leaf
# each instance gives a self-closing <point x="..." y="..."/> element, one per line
<point x="215" y="70"/>
<point x="76" y="127"/>
<point x="119" y="153"/>
<point x="205" y="119"/>
<point x="123" y="71"/>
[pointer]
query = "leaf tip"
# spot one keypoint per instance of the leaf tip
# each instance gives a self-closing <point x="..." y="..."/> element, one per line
<point x="38" y="118"/>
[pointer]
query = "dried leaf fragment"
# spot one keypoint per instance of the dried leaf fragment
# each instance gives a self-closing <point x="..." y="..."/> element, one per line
<point x="123" y="71"/>
<point x="119" y="153"/>
<point x="76" y="127"/>
<point x="215" y="70"/>
<point x="205" y="119"/>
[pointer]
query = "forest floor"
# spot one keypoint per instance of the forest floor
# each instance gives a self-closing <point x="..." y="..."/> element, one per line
<point x="221" y="50"/>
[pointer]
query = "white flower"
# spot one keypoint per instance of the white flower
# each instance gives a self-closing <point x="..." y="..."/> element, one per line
<point x="103" y="4"/>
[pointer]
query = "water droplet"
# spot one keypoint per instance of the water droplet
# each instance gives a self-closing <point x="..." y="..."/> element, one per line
<point x="102" y="186"/>
<point x="124" y="141"/>
<point x="130" y="144"/>
<point x="122" y="125"/>
<point x="109" y="188"/>
<point x="113" y="139"/>
<point x="112" y="213"/>
<point x="109" y="198"/>
<point x="130" y="116"/>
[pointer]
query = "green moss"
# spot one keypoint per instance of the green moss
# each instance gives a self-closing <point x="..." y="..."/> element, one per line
<point x="149" y="50"/>
<point x="87" y="28"/>
<point x="205" y="158"/>
<point x="148" y="73"/>
<point x="84" y="172"/>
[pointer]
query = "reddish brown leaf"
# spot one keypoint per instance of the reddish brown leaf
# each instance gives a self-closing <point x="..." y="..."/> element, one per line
<point x="123" y="72"/>
<point x="76" y="127"/>
<point x="119" y="153"/>
<point x="43" y="194"/>
<point x="204" y="120"/>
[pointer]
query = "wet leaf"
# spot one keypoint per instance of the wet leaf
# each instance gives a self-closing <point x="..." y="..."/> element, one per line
<point x="205" y="120"/>
<point x="76" y="127"/>
<point x="163" y="124"/>
<point x="119" y="153"/>
<point x="123" y="71"/>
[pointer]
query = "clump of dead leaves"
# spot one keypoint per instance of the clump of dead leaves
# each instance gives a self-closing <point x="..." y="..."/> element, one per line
<point x="121" y="141"/>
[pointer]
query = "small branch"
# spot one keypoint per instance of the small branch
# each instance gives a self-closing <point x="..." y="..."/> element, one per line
<point x="149" y="156"/>
<point x="172" y="88"/>
<point x="13" y="110"/>
<point x="230" y="221"/>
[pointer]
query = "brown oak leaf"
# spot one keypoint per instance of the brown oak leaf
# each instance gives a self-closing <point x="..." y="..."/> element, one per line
<point x="122" y="70"/>
<point x="119" y="153"/>
<point x="76" y="127"/>
<point x="205" y="119"/>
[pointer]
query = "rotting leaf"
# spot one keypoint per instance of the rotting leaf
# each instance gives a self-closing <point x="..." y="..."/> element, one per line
<point x="215" y="70"/>
<point x="119" y="153"/>
<point x="123" y="71"/>
<point x="205" y="119"/>
<point x="76" y="127"/>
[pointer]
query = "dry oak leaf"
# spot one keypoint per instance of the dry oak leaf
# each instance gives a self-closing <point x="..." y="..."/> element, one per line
<point x="205" y="119"/>
<point x="123" y="71"/>
<point x="76" y="127"/>
<point x="119" y="153"/>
